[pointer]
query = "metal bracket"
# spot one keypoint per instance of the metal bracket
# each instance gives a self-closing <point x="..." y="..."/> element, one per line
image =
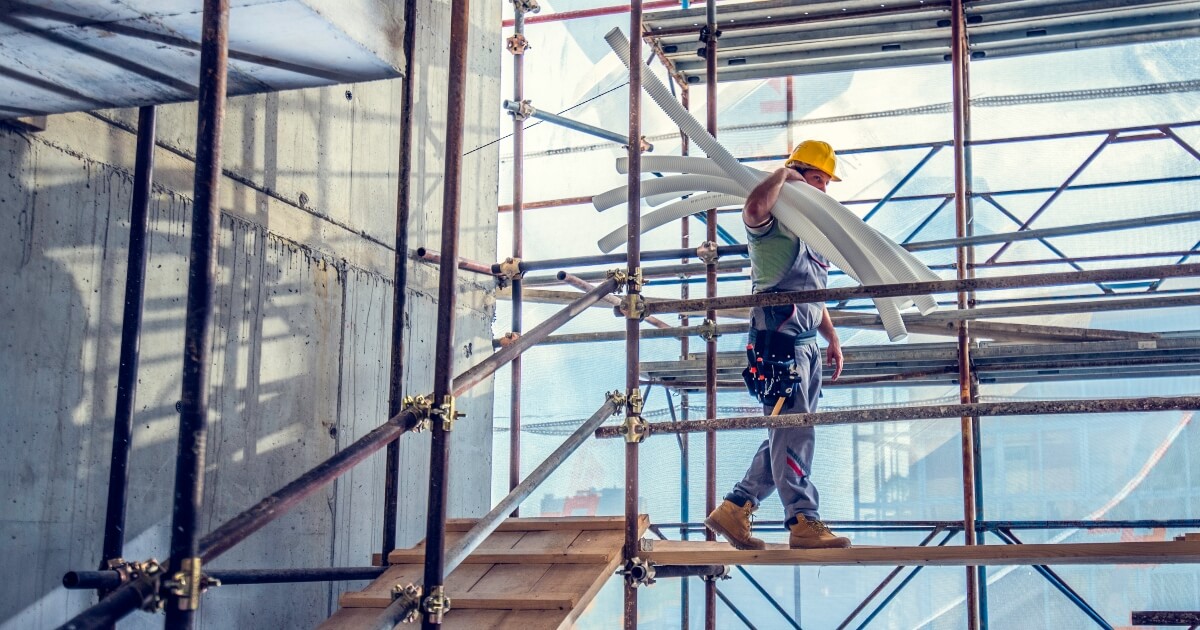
<point x="723" y="575"/>
<point x="618" y="399"/>
<point x="625" y="280"/>
<point x="635" y="427"/>
<point x="511" y="267"/>
<point x="633" y="307"/>
<point x="638" y="572"/>
<point x="188" y="584"/>
<point x="412" y="593"/>
<point x="509" y="339"/>
<point x="421" y="407"/>
<point x="526" y="6"/>
<point x="517" y="44"/>
<point x="446" y="413"/>
<point x="707" y="330"/>
<point x="437" y="604"/>
<point x="707" y="252"/>
<point x="644" y="145"/>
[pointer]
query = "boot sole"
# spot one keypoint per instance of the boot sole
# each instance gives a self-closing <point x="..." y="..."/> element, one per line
<point x="839" y="546"/>
<point x="716" y="527"/>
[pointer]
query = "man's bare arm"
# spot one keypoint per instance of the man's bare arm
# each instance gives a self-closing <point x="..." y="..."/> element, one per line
<point x="833" y="355"/>
<point x="758" y="206"/>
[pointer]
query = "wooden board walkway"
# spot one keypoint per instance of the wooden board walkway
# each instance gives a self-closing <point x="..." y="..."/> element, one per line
<point x="530" y="574"/>
<point x="665" y="552"/>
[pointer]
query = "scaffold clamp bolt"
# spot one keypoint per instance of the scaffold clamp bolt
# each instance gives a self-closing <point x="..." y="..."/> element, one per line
<point x="707" y="252"/>
<point x="627" y="280"/>
<point x="509" y="339"/>
<point x="723" y="575"/>
<point x="187" y="584"/>
<point x="412" y="593"/>
<point x="708" y="330"/>
<point x="618" y="400"/>
<point x="517" y="45"/>
<point x="638" y="572"/>
<point x="527" y="6"/>
<point x="446" y="413"/>
<point x="436" y="605"/>
<point x="421" y="408"/>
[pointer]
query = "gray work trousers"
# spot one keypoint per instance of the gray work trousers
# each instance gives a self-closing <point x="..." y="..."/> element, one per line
<point x="784" y="460"/>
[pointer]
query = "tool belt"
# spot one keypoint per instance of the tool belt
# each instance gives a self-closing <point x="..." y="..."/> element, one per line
<point x="772" y="372"/>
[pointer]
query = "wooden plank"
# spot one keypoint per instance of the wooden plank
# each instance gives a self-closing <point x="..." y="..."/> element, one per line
<point x="693" y="553"/>
<point x="460" y="579"/>
<point x="543" y="523"/>
<point x="514" y="580"/>
<point x="547" y="542"/>
<point x="475" y="619"/>
<point x="499" y="544"/>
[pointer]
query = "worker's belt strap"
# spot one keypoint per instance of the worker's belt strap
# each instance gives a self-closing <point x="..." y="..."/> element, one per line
<point x="772" y="372"/>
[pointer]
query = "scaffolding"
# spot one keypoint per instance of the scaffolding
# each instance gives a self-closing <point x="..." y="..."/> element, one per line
<point x="178" y="583"/>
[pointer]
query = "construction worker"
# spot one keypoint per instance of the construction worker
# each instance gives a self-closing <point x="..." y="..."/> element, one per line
<point x="779" y="261"/>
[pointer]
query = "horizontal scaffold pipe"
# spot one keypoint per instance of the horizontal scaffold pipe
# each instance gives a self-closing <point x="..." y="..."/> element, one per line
<point x="89" y="580"/>
<point x="428" y="255"/>
<point x="919" y="288"/>
<point x="893" y="414"/>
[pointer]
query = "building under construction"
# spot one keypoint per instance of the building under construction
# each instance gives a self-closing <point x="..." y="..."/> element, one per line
<point x="326" y="314"/>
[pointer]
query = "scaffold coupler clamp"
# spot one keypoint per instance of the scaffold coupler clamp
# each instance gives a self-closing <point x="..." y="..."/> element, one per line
<point x="436" y="605"/>
<point x="526" y="6"/>
<point x="509" y="339"/>
<point x="411" y="593"/>
<point x="420" y="407"/>
<point x="626" y="280"/>
<point x="634" y="428"/>
<point x="446" y="413"/>
<point x="618" y="401"/>
<point x="644" y="145"/>
<point x="713" y="577"/>
<point x="524" y="111"/>
<point x="705" y="36"/>
<point x="189" y="583"/>
<point x="707" y="330"/>
<point x="517" y="44"/>
<point x="638" y="572"/>
<point x="707" y="253"/>
<point x="510" y="268"/>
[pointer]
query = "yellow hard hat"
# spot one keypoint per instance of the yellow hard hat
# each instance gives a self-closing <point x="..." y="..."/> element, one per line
<point x="815" y="154"/>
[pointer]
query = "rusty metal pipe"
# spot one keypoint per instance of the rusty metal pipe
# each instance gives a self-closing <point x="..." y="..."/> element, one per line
<point x="584" y="285"/>
<point x="466" y="264"/>
<point x="632" y="326"/>
<point x="856" y="416"/>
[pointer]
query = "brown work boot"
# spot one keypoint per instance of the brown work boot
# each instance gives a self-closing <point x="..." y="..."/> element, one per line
<point x="733" y="522"/>
<point x="813" y="534"/>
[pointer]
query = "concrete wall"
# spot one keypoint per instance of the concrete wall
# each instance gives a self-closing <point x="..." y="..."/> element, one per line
<point x="301" y="345"/>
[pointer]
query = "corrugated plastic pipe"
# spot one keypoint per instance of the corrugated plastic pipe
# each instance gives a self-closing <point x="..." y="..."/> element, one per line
<point x="849" y="255"/>
<point x="679" y="184"/>
<point x="666" y="214"/>
<point x="851" y="234"/>
<point x="877" y="242"/>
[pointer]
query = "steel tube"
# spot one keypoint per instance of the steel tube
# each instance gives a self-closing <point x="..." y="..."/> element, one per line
<point x="685" y="600"/>
<point x="198" y="329"/>
<point x="562" y="121"/>
<point x="1190" y="618"/>
<point x="685" y="571"/>
<point x="961" y="98"/>
<point x="119" y="603"/>
<point x="131" y="331"/>
<point x="548" y="203"/>
<point x="465" y="264"/>
<point x="233" y="577"/>
<point x="391" y="484"/>
<point x="709" y="34"/>
<point x="486" y="367"/>
<point x="632" y="326"/>
<point x="1048" y="407"/>
<point x="443" y="370"/>
<point x="932" y="286"/>
<point x="584" y="285"/>
<point x="251" y="520"/>
<point x="490" y="521"/>
<point x="518" y="231"/>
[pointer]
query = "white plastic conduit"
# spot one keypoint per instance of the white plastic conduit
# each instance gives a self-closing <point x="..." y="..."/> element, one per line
<point x="677" y="184"/>
<point x="848" y="254"/>
<point x="669" y="213"/>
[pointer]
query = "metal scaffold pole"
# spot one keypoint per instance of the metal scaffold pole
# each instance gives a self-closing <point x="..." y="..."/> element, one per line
<point x="632" y="304"/>
<point x="709" y="35"/>
<point x="391" y="484"/>
<point x="131" y="331"/>
<point x="960" y="54"/>
<point x="443" y="413"/>
<point x="684" y="349"/>
<point x="181" y="603"/>
<point x="517" y="46"/>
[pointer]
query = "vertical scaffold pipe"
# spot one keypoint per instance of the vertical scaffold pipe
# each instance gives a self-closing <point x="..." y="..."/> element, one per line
<point x="514" y="420"/>
<point x="391" y="482"/>
<point x="131" y="332"/>
<point x="684" y="342"/>
<point x="632" y="325"/>
<point x="959" y="59"/>
<point x="202" y="271"/>
<point x="710" y="291"/>
<point x="443" y="371"/>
